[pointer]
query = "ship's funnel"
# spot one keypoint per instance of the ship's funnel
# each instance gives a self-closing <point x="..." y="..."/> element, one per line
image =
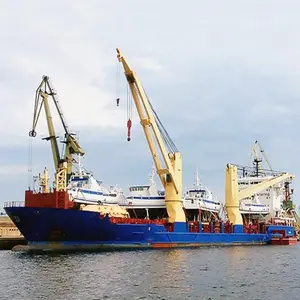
<point x="232" y="202"/>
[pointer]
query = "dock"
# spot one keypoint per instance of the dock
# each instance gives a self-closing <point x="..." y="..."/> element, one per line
<point x="10" y="236"/>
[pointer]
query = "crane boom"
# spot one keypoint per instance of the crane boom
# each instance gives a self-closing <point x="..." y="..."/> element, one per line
<point x="41" y="98"/>
<point x="171" y="174"/>
<point x="256" y="188"/>
<point x="72" y="146"/>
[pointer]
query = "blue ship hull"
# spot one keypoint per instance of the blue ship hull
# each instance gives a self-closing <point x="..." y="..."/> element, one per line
<point x="67" y="229"/>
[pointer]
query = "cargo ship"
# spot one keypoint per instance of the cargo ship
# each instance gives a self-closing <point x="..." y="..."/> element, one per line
<point x="50" y="221"/>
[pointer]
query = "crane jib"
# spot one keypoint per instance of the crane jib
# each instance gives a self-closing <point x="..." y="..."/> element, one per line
<point x="72" y="146"/>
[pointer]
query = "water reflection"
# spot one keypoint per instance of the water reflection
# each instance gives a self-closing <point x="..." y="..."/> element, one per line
<point x="216" y="273"/>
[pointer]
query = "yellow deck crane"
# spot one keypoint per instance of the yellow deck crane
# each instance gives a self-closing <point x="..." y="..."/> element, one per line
<point x="62" y="164"/>
<point x="169" y="168"/>
<point x="233" y="195"/>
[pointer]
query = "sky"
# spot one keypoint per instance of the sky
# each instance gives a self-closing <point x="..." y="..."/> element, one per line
<point x="220" y="75"/>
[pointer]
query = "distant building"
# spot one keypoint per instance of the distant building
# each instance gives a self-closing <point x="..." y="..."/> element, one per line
<point x="8" y="228"/>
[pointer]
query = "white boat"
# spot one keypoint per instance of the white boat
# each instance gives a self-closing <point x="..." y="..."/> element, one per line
<point x="145" y="196"/>
<point x="148" y="196"/>
<point x="268" y="201"/>
<point x="253" y="206"/>
<point x="200" y="197"/>
<point x="83" y="188"/>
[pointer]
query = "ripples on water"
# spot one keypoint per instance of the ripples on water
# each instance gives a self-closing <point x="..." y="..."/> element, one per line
<point x="261" y="272"/>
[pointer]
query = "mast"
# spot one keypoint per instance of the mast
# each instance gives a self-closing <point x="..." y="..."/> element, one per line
<point x="152" y="174"/>
<point x="198" y="184"/>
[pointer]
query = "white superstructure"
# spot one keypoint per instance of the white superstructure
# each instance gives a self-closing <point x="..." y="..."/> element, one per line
<point x="145" y="196"/>
<point x="273" y="202"/>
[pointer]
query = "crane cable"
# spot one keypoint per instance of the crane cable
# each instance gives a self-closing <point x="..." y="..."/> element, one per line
<point x="118" y="83"/>
<point x="29" y="162"/>
<point x="166" y="137"/>
<point x="264" y="155"/>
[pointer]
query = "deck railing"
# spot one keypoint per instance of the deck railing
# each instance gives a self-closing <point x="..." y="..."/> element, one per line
<point x="14" y="204"/>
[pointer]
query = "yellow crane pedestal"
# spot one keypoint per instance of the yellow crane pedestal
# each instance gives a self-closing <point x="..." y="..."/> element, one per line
<point x="232" y="202"/>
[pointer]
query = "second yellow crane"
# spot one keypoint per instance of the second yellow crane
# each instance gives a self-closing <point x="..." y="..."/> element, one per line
<point x="72" y="146"/>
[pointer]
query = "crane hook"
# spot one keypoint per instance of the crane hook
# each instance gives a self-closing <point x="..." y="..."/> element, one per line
<point x="129" y="123"/>
<point x="32" y="133"/>
<point x="118" y="100"/>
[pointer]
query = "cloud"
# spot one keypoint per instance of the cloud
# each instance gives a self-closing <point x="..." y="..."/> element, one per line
<point x="12" y="170"/>
<point x="149" y="64"/>
<point x="219" y="77"/>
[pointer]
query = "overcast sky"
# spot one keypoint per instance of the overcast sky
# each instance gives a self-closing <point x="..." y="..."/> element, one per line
<point x="220" y="75"/>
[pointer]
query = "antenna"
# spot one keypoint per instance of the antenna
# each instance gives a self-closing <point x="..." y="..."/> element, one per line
<point x="198" y="184"/>
<point x="152" y="174"/>
<point x="80" y="167"/>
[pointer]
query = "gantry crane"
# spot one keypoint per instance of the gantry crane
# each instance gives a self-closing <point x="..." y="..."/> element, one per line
<point x="169" y="168"/>
<point x="233" y="195"/>
<point x="71" y="144"/>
